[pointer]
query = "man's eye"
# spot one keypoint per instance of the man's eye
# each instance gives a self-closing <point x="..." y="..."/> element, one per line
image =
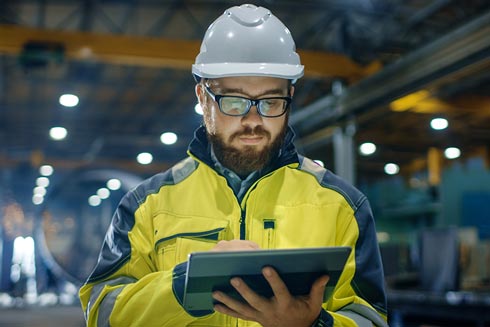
<point x="236" y="103"/>
<point x="270" y="104"/>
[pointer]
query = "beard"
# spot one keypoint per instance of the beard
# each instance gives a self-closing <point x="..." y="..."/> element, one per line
<point x="249" y="159"/>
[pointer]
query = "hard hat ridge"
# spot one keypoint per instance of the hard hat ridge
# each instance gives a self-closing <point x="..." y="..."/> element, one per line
<point x="248" y="41"/>
<point x="250" y="18"/>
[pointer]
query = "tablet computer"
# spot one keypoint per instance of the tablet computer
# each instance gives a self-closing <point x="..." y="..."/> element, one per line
<point x="298" y="268"/>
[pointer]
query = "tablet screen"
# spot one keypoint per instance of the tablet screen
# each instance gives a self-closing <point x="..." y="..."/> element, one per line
<point x="299" y="268"/>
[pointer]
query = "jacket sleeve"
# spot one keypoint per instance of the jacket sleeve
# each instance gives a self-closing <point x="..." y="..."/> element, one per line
<point x="126" y="288"/>
<point x="360" y="298"/>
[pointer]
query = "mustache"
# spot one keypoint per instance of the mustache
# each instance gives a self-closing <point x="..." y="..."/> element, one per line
<point x="247" y="131"/>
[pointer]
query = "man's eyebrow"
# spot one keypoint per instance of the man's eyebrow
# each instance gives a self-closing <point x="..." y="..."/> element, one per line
<point x="224" y="90"/>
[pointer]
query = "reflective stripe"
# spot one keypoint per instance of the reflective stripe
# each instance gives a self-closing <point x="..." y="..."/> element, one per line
<point x="313" y="168"/>
<point x="107" y="304"/>
<point x="183" y="169"/>
<point x="363" y="315"/>
<point x="359" y="320"/>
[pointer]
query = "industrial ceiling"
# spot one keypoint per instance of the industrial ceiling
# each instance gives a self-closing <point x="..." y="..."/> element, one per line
<point x="379" y="70"/>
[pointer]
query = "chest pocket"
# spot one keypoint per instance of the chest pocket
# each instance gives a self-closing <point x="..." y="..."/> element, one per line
<point x="176" y="237"/>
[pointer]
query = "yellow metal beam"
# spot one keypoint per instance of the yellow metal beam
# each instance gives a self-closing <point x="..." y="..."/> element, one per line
<point x="434" y="165"/>
<point x="158" y="52"/>
<point x="422" y="101"/>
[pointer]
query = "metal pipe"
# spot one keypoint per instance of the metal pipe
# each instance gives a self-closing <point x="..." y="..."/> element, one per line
<point x="465" y="46"/>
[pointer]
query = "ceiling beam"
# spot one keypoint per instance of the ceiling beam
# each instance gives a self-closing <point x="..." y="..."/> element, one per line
<point x="460" y="49"/>
<point x="159" y="52"/>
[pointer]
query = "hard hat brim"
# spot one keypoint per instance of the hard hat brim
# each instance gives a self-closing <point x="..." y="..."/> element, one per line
<point x="218" y="70"/>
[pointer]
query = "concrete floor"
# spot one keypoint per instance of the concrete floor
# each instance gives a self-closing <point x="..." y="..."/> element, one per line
<point x="56" y="316"/>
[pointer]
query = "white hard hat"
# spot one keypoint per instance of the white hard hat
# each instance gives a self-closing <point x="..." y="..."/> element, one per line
<point x="248" y="41"/>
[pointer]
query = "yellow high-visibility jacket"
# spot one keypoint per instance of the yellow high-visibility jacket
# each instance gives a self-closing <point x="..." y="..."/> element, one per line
<point x="138" y="280"/>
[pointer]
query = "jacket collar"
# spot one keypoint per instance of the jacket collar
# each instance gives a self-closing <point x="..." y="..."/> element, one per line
<point x="201" y="149"/>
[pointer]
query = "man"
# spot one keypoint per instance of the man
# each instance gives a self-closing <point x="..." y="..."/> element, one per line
<point x="243" y="186"/>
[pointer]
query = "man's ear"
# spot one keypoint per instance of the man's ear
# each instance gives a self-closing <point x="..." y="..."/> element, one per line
<point x="200" y="93"/>
<point x="291" y="91"/>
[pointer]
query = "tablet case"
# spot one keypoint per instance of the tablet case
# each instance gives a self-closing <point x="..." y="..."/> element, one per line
<point x="299" y="268"/>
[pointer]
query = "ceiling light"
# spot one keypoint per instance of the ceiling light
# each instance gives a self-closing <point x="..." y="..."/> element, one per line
<point x="68" y="100"/>
<point x="103" y="193"/>
<point x="37" y="199"/>
<point x="144" y="158"/>
<point x="439" y="123"/>
<point x="94" y="200"/>
<point x="367" y="148"/>
<point x="58" y="133"/>
<point x="168" y="138"/>
<point x="39" y="190"/>
<point x="113" y="184"/>
<point x="46" y="170"/>
<point x="452" y="153"/>
<point x="198" y="109"/>
<point x="42" y="181"/>
<point x="391" y="169"/>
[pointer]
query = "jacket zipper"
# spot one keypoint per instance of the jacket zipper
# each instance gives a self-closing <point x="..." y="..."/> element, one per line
<point x="269" y="226"/>
<point x="243" y="212"/>
<point x="242" y="224"/>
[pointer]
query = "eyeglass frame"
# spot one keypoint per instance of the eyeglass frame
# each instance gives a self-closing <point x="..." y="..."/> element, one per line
<point x="252" y="102"/>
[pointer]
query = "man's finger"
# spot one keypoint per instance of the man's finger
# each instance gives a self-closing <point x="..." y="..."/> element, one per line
<point x="221" y="308"/>
<point x="318" y="290"/>
<point x="254" y="300"/>
<point x="232" y="305"/>
<point x="279" y="289"/>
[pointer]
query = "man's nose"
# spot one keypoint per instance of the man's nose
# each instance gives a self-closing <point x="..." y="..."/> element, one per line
<point x="252" y="118"/>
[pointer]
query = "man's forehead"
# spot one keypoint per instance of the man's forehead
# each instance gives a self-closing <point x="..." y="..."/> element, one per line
<point x="242" y="81"/>
<point x="252" y="86"/>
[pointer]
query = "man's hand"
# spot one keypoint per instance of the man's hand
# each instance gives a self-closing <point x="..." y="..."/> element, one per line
<point x="282" y="309"/>
<point x="235" y="245"/>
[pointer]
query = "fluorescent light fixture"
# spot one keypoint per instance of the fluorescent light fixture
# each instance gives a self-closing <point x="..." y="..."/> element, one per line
<point x="69" y="100"/>
<point x="46" y="170"/>
<point x="39" y="190"/>
<point x="103" y="193"/>
<point x="42" y="181"/>
<point x="319" y="162"/>
<point x="144" y="158"/>
<point x="37" y="199"/>
<point x="94" y="200"/>
<point x="391" y="169"/>
<point x="367" y="148"/>
<point x="168" y="138"/>
<point x="114" y="184"/>
<point x="58" y="133"/>
<point x="452" y="153"/>
<point x="439" y="124"/>
<point x="198" y="109"/>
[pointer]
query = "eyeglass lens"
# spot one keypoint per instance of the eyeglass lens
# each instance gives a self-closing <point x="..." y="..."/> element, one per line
<point x="238" y="106"/>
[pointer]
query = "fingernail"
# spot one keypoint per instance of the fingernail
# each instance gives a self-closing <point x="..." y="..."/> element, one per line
<point x="217" y="295"/>
<point x="235" y="282"/>
<point x="267" y="272"/>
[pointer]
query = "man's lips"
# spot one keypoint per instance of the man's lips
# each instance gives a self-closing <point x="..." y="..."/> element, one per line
<point x="251" y="139"/>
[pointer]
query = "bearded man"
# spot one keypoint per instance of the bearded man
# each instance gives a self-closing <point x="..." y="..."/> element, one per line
<point x="243" y="187"/>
